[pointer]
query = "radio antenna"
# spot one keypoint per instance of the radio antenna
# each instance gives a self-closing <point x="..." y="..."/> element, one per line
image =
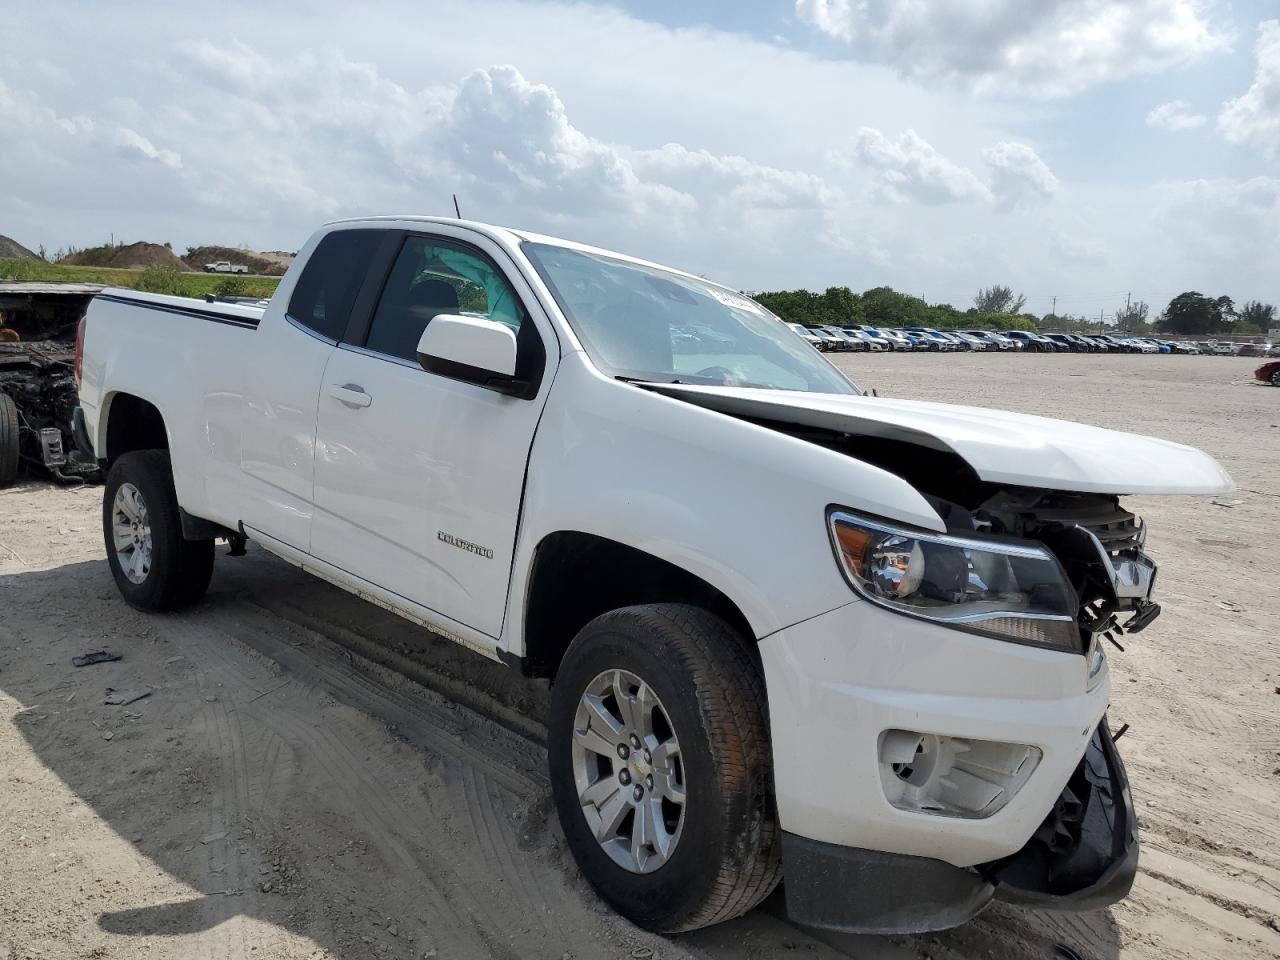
<point x="455" y="207"/>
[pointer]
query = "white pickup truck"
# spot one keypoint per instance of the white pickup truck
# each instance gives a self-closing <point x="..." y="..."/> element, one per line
<point x="225" y="266"/>
<point x="790" y="627"/>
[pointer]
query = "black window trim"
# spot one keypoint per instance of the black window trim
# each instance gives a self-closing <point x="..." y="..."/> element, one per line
<point x="299" y="325"/>
<point x="384" y="259"/>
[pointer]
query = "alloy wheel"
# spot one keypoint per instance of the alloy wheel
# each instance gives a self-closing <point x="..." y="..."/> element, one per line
<point x="628" y="770"/>
<point x="131" y="529"/>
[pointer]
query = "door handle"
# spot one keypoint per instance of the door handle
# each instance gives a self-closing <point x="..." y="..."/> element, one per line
<point x="351" y="394"/>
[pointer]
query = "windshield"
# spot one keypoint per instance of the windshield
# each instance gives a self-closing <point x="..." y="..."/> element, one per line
<point x="644" y="323"/>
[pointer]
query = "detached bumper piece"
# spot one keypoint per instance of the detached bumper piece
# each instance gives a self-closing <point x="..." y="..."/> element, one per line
<point x="1083" y="857"/>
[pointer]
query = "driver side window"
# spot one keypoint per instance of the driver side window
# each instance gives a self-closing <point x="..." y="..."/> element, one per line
<point x="431" y="278"/>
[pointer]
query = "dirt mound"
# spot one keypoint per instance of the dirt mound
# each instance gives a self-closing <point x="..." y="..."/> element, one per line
<point x="13" y="250"/>
<point x="264" y="264"/>
<point x="133" y="255"/>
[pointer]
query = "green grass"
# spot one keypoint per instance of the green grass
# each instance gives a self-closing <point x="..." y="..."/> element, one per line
<point x="154" y="279"/>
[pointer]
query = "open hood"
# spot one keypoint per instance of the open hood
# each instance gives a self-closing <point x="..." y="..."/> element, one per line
<point x="1008" y="448"/>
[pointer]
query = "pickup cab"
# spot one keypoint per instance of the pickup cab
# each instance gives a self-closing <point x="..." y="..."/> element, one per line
<point x="225" y="266"/>
<point x="789" y="627"/>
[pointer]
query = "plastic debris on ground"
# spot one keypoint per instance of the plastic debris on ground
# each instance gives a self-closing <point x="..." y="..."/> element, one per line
<point x="118" y="698"/>
<point x="98" y="656"/>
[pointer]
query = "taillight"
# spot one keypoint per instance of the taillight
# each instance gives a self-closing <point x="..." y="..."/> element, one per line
<point x="80" y="350"/>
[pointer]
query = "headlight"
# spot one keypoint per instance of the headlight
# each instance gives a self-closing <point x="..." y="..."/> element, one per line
<point x="1011" y="591"/>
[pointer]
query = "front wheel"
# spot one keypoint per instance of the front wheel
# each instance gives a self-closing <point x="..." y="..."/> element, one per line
<point x="1275" y="377"/>
<point x="661" y="767"/>
<point x="155" y="568"/>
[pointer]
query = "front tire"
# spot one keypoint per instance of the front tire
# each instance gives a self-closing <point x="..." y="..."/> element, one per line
<point x="661" y="767"/>
<point x="8" y="440"/>
<point x="1275" y="382"/>
<point x="154" y="567"/>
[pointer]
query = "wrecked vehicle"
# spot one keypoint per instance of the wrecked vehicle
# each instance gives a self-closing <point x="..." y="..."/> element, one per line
<point x="37" y="382"/>
<point x="789" y="627"/>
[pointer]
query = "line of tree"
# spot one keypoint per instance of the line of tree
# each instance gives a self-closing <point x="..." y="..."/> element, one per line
<point x="886" y="307"/>
<point x="1193" y="312"/>
<point x="998" y="307"/>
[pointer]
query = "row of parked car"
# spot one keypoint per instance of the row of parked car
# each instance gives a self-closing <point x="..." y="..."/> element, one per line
<point x="862" y="337"/>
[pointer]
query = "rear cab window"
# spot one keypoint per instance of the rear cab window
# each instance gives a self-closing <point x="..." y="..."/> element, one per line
<point x="325" y="293"/>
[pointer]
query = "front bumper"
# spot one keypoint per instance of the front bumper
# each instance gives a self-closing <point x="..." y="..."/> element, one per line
<point x="841" y="682"/>
<point x="1083" y="857"/>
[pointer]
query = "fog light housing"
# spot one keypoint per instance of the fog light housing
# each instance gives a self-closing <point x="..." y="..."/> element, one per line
<point x="952" y="776"/>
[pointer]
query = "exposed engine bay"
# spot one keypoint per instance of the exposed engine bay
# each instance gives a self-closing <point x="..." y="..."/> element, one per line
<point x="1098" y="542"/>
<point x="40" y="380"/>
<point x="37" y="375"/>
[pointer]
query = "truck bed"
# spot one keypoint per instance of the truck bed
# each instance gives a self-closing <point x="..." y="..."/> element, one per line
<point x="189" y="355"/>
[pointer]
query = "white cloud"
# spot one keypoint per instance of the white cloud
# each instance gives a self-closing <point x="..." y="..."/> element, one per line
<point x="1175" y="115"/>
<point x="1224" y="222"/>
<point x="132" y="143"/>
<point x="1040" y="47"/>
<point x="508" y="134"/>
<point x="311" y="137"/>
<point x="700" y="147"/>
<point x="1077" y="249"/>
<point x="22" y="109"/>
<point x="911" y="169"/>
<point x="1018" y="176"/>
<point x="1254" y="118"/>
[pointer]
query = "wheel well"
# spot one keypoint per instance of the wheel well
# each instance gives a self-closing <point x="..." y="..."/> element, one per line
<point x="578" y="576"/>
<point x="133" y="424"/>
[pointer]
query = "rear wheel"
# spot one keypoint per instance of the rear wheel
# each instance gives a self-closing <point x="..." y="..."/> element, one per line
<point x="8" y="440"/>
<point x="661" y="767"/>
<point x="155" y="568"/>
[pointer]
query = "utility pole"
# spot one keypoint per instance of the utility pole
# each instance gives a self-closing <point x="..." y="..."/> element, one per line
<point x="1054" y="311"/>
<point x="1099" y="319"/>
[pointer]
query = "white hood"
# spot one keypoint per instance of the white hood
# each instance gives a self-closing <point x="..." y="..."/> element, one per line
<point x="1001" y="447"/>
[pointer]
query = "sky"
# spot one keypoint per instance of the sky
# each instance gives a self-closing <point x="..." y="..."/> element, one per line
<point x="1083" y="150"/>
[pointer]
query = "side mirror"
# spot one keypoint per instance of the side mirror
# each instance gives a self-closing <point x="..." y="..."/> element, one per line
<point x="473" y="350"/>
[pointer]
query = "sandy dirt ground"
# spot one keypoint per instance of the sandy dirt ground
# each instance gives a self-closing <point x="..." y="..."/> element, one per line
<point x="312" y="777"/>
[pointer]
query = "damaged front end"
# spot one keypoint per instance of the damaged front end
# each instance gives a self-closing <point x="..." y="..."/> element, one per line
<point x="1085" y="853"/>
<point x="1035" y="492"/>
<point x="1100" y="545"/>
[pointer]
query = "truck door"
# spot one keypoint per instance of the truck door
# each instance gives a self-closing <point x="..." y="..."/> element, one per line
<point x="419" y="477"/>
<point x="282" y="384"/>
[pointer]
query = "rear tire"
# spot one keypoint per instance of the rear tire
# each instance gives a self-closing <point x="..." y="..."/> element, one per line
<point x="155" y="568"/>
<point x="695" y="680"/>
<point x="8" y="440"/>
